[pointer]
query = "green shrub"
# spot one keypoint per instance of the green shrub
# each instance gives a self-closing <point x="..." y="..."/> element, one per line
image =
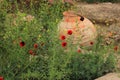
<point x="90" y="66"/>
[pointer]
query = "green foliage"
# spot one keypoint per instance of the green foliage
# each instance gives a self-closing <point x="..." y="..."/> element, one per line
<point x="39" y="25"/>
<point x="91" y="65"/>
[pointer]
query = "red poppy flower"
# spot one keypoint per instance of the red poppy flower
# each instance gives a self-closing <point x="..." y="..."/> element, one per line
<point x="116" y="48"/>
<point x="69" y="32"/>
<point x="35" y="45"/>
<point x="64" y="44"/>
<point x="22" y="44"/>
<point x="63" y="37"/>
<point x="79" y="50"/>
<point x="31" y="52"/>
<point x="91" y="43"/>
<point x="1" y="78"/>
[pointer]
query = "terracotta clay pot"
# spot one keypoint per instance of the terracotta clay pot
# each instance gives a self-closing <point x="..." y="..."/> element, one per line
<point x="83" y="30"/>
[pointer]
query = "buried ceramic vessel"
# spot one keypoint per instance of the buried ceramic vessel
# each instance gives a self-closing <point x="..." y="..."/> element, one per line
<point x="83" y="30"/>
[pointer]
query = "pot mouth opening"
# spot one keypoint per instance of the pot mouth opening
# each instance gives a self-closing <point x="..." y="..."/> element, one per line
<point x="69" y="14"/>
<point x="72" y="14"/>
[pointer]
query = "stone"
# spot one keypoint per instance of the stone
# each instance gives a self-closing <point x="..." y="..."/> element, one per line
<point x="104" y="13"/>
<point x="110" y="76"/>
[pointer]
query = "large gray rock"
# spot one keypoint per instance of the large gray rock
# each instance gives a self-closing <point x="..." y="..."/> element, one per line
<point x="101" y="13"/>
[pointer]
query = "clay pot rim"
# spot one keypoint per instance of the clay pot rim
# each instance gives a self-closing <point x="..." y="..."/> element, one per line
<point x="70" y="14"/>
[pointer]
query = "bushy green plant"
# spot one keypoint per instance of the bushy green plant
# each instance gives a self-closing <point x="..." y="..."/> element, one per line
<point x="91" y="65"/>
<point x="16" y="60"/>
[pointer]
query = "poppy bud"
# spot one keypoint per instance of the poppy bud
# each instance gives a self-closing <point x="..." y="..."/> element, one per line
<point x="22" y="44"/>
<point x="35" y="45"/>
<point x="1" y="78"/>
<point x="116" y="48"/>
<point x="63" y="37"/>
<point x="69" y="32"/>
<point x="64" y="44"/>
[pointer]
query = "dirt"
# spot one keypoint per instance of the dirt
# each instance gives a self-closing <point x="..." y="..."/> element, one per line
<point x="110" y="76"/>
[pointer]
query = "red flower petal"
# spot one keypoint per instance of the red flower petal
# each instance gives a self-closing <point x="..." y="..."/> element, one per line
<point x="79" y="50"/>
<point x="69" y="32"/>
<point x="64" y="44"/>
<point x="22" y="44"/>
<point x="31" y="52"/>
<point x="63" y="37"/>
<point x="35" y="45"/>
<point x="116" y="48"/>
<point x="91" y="43"/>
<point x="1" y="78"/>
